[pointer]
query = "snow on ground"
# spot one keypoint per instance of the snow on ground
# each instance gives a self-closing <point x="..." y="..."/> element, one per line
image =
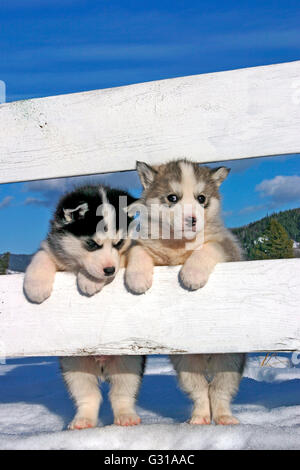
<point x="35" y="410"/>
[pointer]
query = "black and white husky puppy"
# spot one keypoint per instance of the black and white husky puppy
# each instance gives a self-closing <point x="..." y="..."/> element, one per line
<point x="88" y="236"/>
<point x="184" y="198"/>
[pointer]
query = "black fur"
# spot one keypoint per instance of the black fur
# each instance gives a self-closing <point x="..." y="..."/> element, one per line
<point x="85" y="225"/>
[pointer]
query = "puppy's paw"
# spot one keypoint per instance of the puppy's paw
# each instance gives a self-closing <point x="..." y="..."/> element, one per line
<point x="226" y="420"/>
<point x="200" y="419"/>
<point x="193" y="277"/>
<point x="81" y="422"/>
<point x="127" y="419"/>
<point x="138" y="281"/>
<point x="37" y="290"/>
<point x="88" y="286"/>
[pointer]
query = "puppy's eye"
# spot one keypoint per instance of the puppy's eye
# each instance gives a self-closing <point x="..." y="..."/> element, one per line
<point x="91" y="245"/>
<point x="172" y="198"/>
<point x="119" y="244"/>
<point x="201" y="199"/>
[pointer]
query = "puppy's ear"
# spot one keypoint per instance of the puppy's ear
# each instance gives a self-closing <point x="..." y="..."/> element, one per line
<point x="219" y="174"/>
<point x="146" y="173"/>
<point x="71" y="215"/>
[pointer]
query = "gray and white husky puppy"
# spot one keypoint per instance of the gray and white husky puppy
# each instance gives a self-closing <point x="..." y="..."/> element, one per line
<point x="88" y="236"/>
<point x="187" y="196"/>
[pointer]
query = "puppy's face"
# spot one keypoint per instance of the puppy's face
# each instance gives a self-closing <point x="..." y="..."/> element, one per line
<point x="98" y="255"/>
<point x="90" y="235"/>
<point x="181" y="194"/>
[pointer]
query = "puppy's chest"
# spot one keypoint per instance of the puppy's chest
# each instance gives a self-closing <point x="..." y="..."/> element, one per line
<point x="163" y="255"/>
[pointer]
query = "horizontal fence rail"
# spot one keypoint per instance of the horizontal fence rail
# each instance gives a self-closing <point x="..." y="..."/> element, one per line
<point x="245" y="307"/>
<point x="220" y="116"/>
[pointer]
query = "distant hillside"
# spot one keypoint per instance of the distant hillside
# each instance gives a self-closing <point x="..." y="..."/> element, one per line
<point x="249" y="234"/>
<point x="10" y="263"/>
<point x="19" y="263"/>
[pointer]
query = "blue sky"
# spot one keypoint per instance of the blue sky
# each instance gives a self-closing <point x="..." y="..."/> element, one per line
<point x="50" y="47"/>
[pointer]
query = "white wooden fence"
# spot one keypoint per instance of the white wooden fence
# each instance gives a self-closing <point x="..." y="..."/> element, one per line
<point x="248" y="306"/>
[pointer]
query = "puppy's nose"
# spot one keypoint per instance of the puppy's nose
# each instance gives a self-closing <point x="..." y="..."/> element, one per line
<point x="109" y="271"/>
<point x="191" y="221"/>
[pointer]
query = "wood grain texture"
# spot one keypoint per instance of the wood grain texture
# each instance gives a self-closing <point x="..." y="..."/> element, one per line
<point x="226" y="115"/>
<point x="246" y="306"/>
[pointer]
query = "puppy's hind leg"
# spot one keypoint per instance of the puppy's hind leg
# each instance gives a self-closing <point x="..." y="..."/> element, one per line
<point x="227" y="370"/>
<point x="125" y="373"/>
<point x="80" y="375"/>
<point x="39" y="277"/>
<point x="191" y="374"/>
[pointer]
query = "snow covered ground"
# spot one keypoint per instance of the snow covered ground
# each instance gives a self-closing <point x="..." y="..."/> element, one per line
<point x="35" y="409"/>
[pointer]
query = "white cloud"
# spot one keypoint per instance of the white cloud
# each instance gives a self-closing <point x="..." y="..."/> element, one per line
<point x="35" y="201"/>
<point x="254" y="208"/>
<point x="104" y="52"/>
<point x="6" y="202"/>
<point x="52" y="189"/>
<point x="277" y="191"/>
<point x="125" y="179"/>
<point x="16" y="4"/>
<point x="280" y="189"/>
<point x="227" y="213"/>
<point x="262" y="39"/>
<point x="51" y="185"/>
<point x="167" y="50"/>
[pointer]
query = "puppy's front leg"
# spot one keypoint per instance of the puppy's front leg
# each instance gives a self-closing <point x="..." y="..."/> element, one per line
<point x="139" y="271"/>
<point x="39" y="277"/>
<point x="198" y="267"/>
<point x="87" y="285"/>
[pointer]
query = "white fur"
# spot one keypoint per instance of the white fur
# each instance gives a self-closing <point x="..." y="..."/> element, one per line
<point x="82" y="209"/>
<point x="211" y="382"/>
<point x="95" y="261"/>
<point x="39" y="277"/>
<point x="139" y="270"/>
<point x="88" y="286"/>
<point x="89" y="266"/>
<point x="198" y="267"/>
<point x="81" y="375"/>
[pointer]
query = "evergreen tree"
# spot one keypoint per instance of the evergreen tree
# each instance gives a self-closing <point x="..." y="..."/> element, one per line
<point x="4" y="262"/>
<point x="274" y="243"/>
<point x="249" y="234"/>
